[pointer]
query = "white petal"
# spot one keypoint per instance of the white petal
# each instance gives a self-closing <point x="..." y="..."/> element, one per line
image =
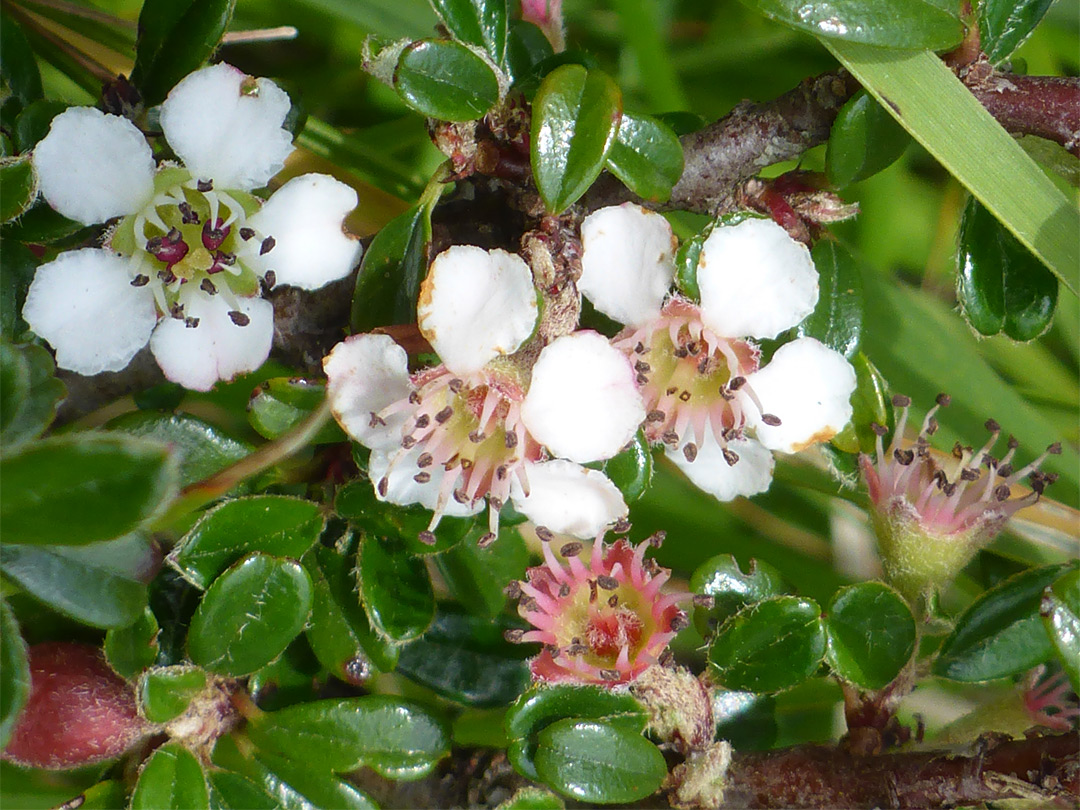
<point x="476" y="304"/>
<point x="216" y="349"/>
<point x="628" y="263"/>
<point x="583" y="403"/>
<point x="304" y="217"/>
<point x="809" y="387"/>
<point x="364" y="374"/>
<point x="751" y="474"/>
<point x="755" y="280"/>
<point x="94" y="166"/>
<point x="568" y="498"/>
<point x="226" y="127"/>
<point x="83" y="304"/>
<point x="402" y="488"/>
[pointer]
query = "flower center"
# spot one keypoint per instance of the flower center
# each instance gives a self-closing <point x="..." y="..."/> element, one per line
<point x="193" y="237"/>
<point x="603" y="619"/>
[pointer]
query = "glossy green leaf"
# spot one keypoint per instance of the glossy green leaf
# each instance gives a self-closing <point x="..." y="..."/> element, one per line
<point x="273" y="524"/>
<point x="646" y="156"/>
<point x="477" y="576"/>
<point x="466" y="659"/>
<point x="17" y="267"/>
<point x="396" y="738"/>
<point x="1060" y="611"/>
<point x="631" y="469"/>
<point x="871" y="634"/>
<point x="17" y="62"/>
<point x="14" y="672"/>
<point x="1001" y="633"/>
<point x="231" y="791"/>
<point x="391" y="271"/>
<point x="339" y="632"/>
<point x="172" y="779"/>
<point x="531" y="798"/>
<point x="721" y="578"/>
<point x="837" y="320"/>
<point x="864" y="140"/>
<point x="175" y="38"/>
<point x="356" y="502"/>
<point x="82" y="488"/>
<point x="249" y="615"/>
<point x="905" y="24"/>
<point x="200" y="447"/>
<point x="445" y="80"/>
<point x="102" y="585"/>
<point x="746" y="720"/>
<point x="575" y="118"/>
<point x="478" y="22"/>
<point x="599" y="762"/>
<point x="293" y="677"/>
<point x="686" y="264"/>
<point x="1005" y="24"/>
<point x="30" y="393"/>
<point x="164" y="693"/>
<point x="1001" y="287"/>
<point x="526" y="48"/>
<point x="769" y="646"/>
<point x="395" y="588"/>
<point x="280" y="404"/>
<point x="870" y="404"/>
<point x="18" y="187"/>
<point x="539" y="707"/>
<point x="131" y="649"/>
<point x="108" y="795"/>
<point x="33" y="123"/>
<point x="315" y="783"/>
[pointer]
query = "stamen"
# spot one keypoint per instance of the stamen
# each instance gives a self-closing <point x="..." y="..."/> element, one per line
<point x="570" y="549"/>
<point x="267" y="245"/>
<point x="690" y="451"/>
<point x="239" y="318"/>
<point x="426" y="537"/>
<point x="140" y="280"/>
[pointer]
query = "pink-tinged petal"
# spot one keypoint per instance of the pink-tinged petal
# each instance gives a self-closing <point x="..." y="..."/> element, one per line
<point x="397" y="468"/>
<point x="569" y="499"/>
<point x="83" y="304"/>
<point x="364" y="375"/>
<point x="227" y="127"/>
<point x="476" y="305"/>
<point x="304" y="217"/>
<point x="755" y="280"/>
<point x="808" y="386"/>
<point x="709" y="471"/>
<point x="217" y="348"/>
<point x="93" y="166"/>
<point x="628" y="262"/>
<point x="583" y="403"/>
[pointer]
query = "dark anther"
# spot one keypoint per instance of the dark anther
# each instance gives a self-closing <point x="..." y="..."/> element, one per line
<point x="414" y="397"/>
<point x="408" y="442"/>
<point x="207" y="286"/>
<point x="607" y="583"/>
<point x="140" y="280"/>
<point x="191" y="323"/>
<point x="510" y="440"/>
<point x="442" y="416"/>
<point x="384" y="485"/>
<point x="1002" y="492"/>
<point x="943" y="400"/>
<point x="651" y="566"/>
<point x="988" y="461"/>
<point x="642" y="366"/>
<point x="545" y="534"/>
<point x="704" y="600"/>
<point x="1013" y="443"/>
<point x="422" y="477"/>
<point x="564" y="591"/>
<point x="461" y="497"/>
<point x="655" y="416"/>
<point x="1005" y="470"/>
<point x="656" y="539"/>
<point x="609" y="674"/>
<point x="267" y="245"/>
<point x="879" y="430"/>
<point x="641" y="379"/>
<point x="901" y="401"/>
<point x="904" y="457"/>
<point x="456" y="385"/>
<point x="555" y="651"/>
<point x="1054" y="449"/>
<point x="725" y="394"/>
<point x="992" y="425"/>
<point x="486" y="539"/>
<point x="187" y="214"/>
<point x="514" y="635"/>
<point x="424" y="460"/>
<point x="227" y="259"/>
<point x="269" y="280"/>
<point x="969" y="474"/>
<point x="205" y="185"/>
<point x="622" y="526"/>
<point x="692" y="347"/>
<point x="592" y="590"/>
<point x="576" y="648"/>
<point x="670" y="437"/>
<point x="176" y="310"/>
<point x="958" y="450"/>
<point x="422" y="421"/>
<point x="375" y="420"/>
<point x="426" y="537"/>
<point x="667" y="659"/>
<point x="213" y="237"/>
<point x="681" y="353"/>
<point x="239" y="318"/>
<point x="932" y="426"/>
<point x="770" y="419"/>
<point x="477" y="436"/>
<point x="735" y="383"/>
<point x="730" y="456"/>
<point x="500" y="472"/>
<point x="679" y="622"/>
<point x="949" y="489"/>
<point x="671" y="391"/>
<point x="247" y="233"/>
<point x="513" y="589"/>
<point x="570" y="549"/>
<point x="613" y="600"/>
<point x="690" y="451"/>
<point x="639" y="348"/>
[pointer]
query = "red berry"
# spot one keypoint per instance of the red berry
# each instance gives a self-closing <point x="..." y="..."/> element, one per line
<point x="79" y="712"/>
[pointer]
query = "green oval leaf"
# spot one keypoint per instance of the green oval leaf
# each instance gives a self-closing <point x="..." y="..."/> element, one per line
<point x="393" y="266"/>
<point x="631" y="468"/>
<point x="17" y="268"/>
<point x="164" y="693"/>
<point x="273" y="524"/>
<point x="83" y="488"/>
<point x="1001" y="633"/>
<point x="526" y="48"/>
<point x="744" y="719"/>
<point x="1060" y="611"/>
<point x="908" y="24"/>
<point x="770" y="646"/>
<point x="14" y="672"/>
<point x="870" y="404"/>
<point x="231" y="791"/>
<point x="30" y="392"/>
<point x="837" y="320"/>
<point x="18" y="187"/>
<point x="280" y="404"/>
<point x="33" y="123"/>
<point x="871" y="634"/>
<point x="172" y="779"/>
<point x="1005" y="24"/>
<point x="864" y="140"/>
<point x="396" y="738"/>
<point x="646" y="156"/>
<point x="575" y="118"/>
<point x="396" y="589"/>
<point x="356" y="502"/>
<point x="17" y="62"/>
<point x="249" y="615"/>
<point x="1001" y="287"/>
<point x="599" y="762"/>
<point x="721" y="578"/>
<point x="131" y="649"/>
<point x="477" y="576"/>
<point x="292" y="677"/>
<point x="445" y="80"/>
<point x="478" y="22"/>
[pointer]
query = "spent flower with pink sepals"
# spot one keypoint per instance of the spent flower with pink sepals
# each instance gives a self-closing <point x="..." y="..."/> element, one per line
<point x="486" y="426"/>
<point x="190" y="248"/>
<point x="932" y="512"/>
<point x="718" y="412"/>
<point x="604" y="622"/>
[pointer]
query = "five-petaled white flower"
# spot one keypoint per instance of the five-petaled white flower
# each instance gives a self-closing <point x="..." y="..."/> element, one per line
<point x="184" y="265"/>
<point x="486" y="423"/>
<point x="709" y="401"/>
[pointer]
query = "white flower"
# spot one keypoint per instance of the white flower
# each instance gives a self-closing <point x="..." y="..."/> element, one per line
<point x="709" y="401"/>
<point x="484" y="425"/>
<point x="184" y="266"/>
